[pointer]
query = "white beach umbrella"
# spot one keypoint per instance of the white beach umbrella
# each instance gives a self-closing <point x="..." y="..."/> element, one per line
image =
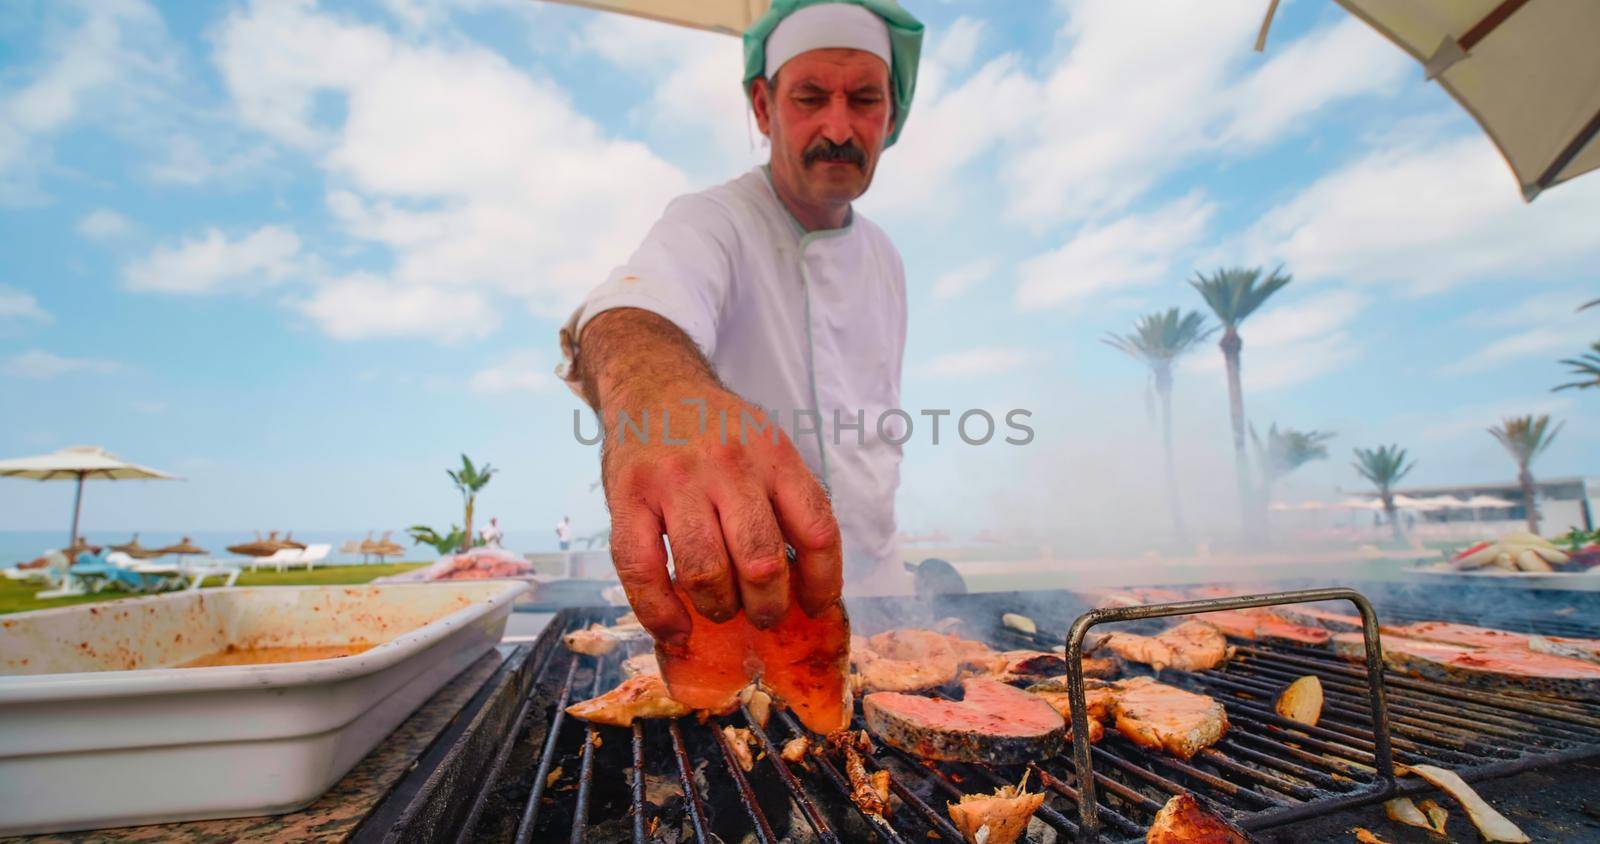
<point x="79" y="463"/>
<point x="1477" y="501"/>
<point x="1527" y="70"/>
<point x="1360" y="504"/>
<point x="731" y="17"/>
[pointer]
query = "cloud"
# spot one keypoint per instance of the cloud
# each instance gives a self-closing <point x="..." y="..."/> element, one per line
<point x="1144" y="88"/>
<point x="364" y="306"/>
<point x="206" y="263"/>
<point x="1288" y="343"/>
<point x="1100" y="259"/>
<point x="103" y="224"/>
<point x="962" y="278"/>
<point x="478" y="178"/>
<point x="986" y="360"/>
<point x="42" y="365"/>
<point x="523" y="371"/>
<point x="1428" y="216"/>
<point x="1566" y="339"/>
<point x="1475" y="419"/>
<point x="18" y="306"/>
<point x="110" y="52"/>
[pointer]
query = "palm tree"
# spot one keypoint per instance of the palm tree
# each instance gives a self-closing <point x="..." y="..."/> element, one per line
<point x="1234" y="294"/>
<point x="1586" y="367"/>
<point x="1384" y="466"/>
<point x="1526" y="437"/>
<point x="1284" y="452"/>
<point x="1158" y="339"/>
<point x="469" y="480"/>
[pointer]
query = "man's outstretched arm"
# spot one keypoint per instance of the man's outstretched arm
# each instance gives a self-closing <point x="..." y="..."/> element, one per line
<point x="727" y="497"/>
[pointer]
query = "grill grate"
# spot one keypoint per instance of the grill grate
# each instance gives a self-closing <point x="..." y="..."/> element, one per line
<point x="677" y="780"/>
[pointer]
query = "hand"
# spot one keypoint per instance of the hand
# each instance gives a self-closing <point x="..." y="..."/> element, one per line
<point x="726" y="487"/>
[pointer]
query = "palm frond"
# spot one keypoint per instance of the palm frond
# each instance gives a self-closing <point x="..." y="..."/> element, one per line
<point x="1526" y="437"/>
<point x="1383" y="466"/>
<point x="1162" y="336"/>
<point x="1235" y="293"/>
<point x="1585" y="366"/>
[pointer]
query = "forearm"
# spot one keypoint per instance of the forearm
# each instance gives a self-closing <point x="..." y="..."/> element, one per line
<point x="627" y="355"/>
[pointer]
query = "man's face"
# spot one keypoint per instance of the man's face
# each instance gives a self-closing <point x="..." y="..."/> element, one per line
<point x="827" y="119"/>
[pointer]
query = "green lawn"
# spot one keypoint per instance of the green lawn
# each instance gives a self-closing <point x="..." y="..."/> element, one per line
<point x="18" y="597"/>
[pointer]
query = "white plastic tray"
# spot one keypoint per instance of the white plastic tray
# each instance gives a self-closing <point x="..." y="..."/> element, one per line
<point x="96" y="730"/>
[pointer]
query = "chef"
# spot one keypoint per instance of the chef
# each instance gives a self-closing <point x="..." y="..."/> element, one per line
<point x="743" y="358"/>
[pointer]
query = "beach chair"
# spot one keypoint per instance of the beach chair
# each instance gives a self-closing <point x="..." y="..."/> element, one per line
<point x="47" y="575"/>
<point x="312" y="555"/>
<point x="65" y="583"/>
<point x="277" y="558"/>
<point x="199" y="570"/>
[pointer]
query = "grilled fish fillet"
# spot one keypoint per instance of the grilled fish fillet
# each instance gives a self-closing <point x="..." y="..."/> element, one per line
<point x="1182" y="821"/>
<point x="1191" y="646"/>
<point x="1163" y="717"/>
<point x="907" y="660"/>
<point x="1260" y="624"/>
<point x="644" y="696"/>
<point x="1099" y="698"/>
<point x="1457" y="634"/>
<point x="804" y="660"/>
<point x="1504" y="668"/>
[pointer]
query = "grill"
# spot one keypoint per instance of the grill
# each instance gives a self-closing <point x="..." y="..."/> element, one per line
<point x="521" y="770"/>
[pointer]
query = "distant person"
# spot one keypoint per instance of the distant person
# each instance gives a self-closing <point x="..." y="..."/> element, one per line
<point x="492" y="534"/>
<point x="564" y="533"/>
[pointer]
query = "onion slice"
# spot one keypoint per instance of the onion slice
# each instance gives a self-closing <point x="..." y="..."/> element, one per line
<point x="1492" y="825"/>
<point x="1402" y="810"/>
<point x="1301" y="702"/>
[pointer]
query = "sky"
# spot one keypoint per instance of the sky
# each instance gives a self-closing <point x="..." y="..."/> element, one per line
<point x="305" y="254"/>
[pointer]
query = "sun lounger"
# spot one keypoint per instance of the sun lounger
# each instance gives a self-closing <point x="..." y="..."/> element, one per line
<point x="277" y="558"/>
<point x="116" y="568"/>
<point x="312" y="555"/>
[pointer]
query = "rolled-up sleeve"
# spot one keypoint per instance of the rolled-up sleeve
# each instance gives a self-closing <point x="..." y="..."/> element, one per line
<point x="682" y="272"/>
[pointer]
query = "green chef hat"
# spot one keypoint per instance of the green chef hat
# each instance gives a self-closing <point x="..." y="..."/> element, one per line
<point x="904" y="46"/>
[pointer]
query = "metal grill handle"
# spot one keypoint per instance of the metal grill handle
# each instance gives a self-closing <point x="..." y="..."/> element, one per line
<point x="1088" y="810"/>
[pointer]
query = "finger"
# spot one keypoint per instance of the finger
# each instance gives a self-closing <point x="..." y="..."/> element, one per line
<point x="699" y="558"/>
<point x="641" y="562"/>
<point x="755" y="545"/>
<point x="806" y="517"/>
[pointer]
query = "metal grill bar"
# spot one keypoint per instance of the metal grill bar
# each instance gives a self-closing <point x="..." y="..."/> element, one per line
<point x="591" y="740"/>
<point x="530" y="812"/>
<point x="797" y="792"/>
<point x="747" y="795"/>
<point x="636" y="796"/>
<point x="1088" y="808"/>
<point x="691" y="794"/>
<point x="840" y="783"/>
<point x="937" y="821"/>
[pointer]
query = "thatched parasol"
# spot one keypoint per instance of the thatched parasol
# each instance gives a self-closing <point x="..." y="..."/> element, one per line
<point x="288" y="541"/>
<point x="182" y="548"/>
<point x="384" y="547"/>
<point x="259" y="548"/>
<point x="127" y="547"/>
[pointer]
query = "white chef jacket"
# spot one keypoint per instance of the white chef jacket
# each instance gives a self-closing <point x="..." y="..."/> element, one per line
<point x="790" y="320"/>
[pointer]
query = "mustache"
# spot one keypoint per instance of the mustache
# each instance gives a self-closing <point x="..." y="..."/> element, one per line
<point x="826" y="150"/>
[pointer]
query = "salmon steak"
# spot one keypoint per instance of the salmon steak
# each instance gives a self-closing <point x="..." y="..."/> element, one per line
<point x="1457" y="634"/>
<point x="1313" y="614"/>
<point x="993" y="724"/>
<point x="1260" y="624"/>
<point x="1493" y="668"/>
<point x="1190" y="646"/>
<point x="1587" y="650"/>
<point x="1163" y="717"/>
<point x="804" y="661"/>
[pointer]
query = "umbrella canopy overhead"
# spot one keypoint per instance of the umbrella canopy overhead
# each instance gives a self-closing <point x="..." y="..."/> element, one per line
<point x="79" y="463"/>
<point x="1488" y="501"/>
<point x="1527" y="70"/>
<point x="730" y="17"/>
